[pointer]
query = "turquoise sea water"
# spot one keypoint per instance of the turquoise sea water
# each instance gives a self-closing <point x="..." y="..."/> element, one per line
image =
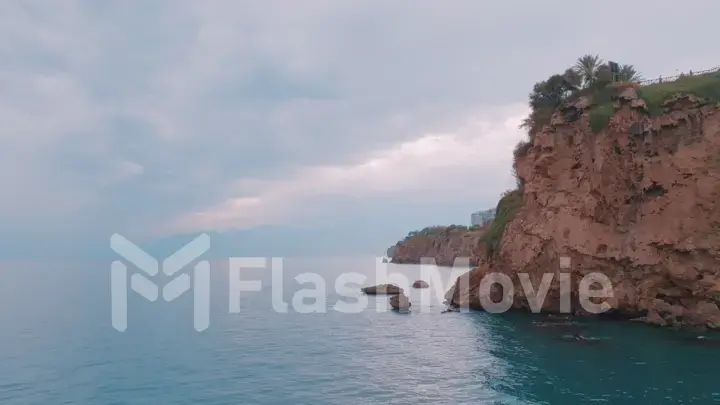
<point x="57" y="346"/>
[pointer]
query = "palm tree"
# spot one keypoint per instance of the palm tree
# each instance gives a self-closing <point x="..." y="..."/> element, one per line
<point x="586" y="67"/>
<point x="629" y="74"/>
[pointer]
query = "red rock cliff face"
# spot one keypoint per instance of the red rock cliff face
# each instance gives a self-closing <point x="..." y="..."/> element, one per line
<point x="443" y="246"/>
<point x="638" y="202"/>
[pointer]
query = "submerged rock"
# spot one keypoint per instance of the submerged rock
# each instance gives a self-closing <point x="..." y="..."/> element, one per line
<point x="559" y="317"/>
<point x="421" y="284"/>
<point x="573" y="328"/>
<point x="388" y="289"/>
<point x="702" y="341"/>
<point x="580" y="338"/>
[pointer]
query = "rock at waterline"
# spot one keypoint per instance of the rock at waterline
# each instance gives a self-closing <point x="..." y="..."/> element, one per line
<point x="702" y="341"/>
<point x="580" y="338"/>
<point x="555" y="327"/>
<point x="421" y="284"/>
<point x="400" y="302"/>
<point x="388" y="289"/>
<point x="559" y="317"/>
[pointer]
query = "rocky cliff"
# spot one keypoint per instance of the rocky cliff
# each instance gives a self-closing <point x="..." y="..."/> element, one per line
<point x="636" y="201"/>
<point x="444" y="244"/>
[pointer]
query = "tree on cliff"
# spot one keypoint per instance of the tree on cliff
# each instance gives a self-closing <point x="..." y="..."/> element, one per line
<point x="548" y="95"/>
<point x="587" y="68"/>
<point x="552" y="92"/>
<point x="604" y="76"/>
<point x="629" y="74"/>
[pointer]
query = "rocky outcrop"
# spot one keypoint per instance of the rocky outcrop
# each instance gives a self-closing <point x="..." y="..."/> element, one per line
<point x="400" y="302"/>
<point x="444" y="246"/>
<point x="637" y="202"/>
<point x="421" y="284"/>
<point x="387" y="289"/>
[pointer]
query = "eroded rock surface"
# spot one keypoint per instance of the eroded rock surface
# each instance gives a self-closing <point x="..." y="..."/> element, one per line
<point x="637" y="202"/>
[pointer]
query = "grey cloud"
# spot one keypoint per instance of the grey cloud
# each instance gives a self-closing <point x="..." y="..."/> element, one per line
<point x="202" y="94"/>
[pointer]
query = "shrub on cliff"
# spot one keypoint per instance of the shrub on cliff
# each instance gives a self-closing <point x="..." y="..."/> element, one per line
<point x="521" y="150"/>
<point x="507" y="207"/>
<point x="600" y="117"/>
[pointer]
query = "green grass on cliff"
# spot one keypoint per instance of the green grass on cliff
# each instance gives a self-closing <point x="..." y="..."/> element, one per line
<point x="706" y="86"/>
<point x="600" y="116"/>
<point x="507" y="207"/>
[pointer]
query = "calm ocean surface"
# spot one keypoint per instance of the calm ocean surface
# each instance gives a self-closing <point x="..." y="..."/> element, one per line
<point x="57" y="346"/>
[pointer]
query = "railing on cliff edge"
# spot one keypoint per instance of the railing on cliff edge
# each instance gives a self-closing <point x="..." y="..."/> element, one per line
<point x="681" y="75"/>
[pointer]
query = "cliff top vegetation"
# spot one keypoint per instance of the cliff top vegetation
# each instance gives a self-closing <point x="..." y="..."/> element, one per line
<point x="705" y="85"/>
<point x="440" y="230"/>
<point x="600" y="81"/>
<point x="592" y="77"/>
<point x="589" y="76"/>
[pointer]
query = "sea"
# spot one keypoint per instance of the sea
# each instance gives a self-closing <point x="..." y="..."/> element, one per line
<point x="60" y="344"/>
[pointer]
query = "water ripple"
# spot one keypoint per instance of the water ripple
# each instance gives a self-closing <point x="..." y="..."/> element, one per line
<point x="58" y="347"/>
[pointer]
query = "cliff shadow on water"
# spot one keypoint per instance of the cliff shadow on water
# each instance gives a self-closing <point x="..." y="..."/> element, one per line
<point x="625" y="363"/>
<point x="616" y="178"/>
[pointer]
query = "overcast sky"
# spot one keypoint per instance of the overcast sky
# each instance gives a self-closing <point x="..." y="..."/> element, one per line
<point x="156" y="117"/>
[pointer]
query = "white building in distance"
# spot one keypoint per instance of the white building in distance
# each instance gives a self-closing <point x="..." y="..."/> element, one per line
<point x="481" y="218"/>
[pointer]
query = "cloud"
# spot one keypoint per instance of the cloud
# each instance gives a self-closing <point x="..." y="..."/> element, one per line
<point x="449" y="163"/>
<point x="178" y="114"/>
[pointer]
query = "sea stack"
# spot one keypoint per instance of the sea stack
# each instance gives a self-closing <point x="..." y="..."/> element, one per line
<point x="400" y="302"/>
